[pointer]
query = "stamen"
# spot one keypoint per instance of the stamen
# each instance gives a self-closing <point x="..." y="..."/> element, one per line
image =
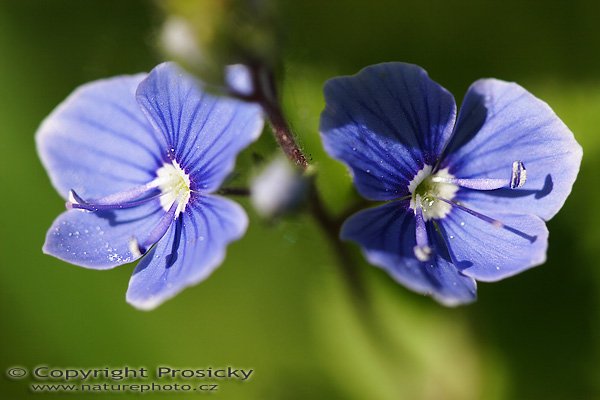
<point x="476" y="183"/>
<point x="483" y="217"/>
<point x="422" y="250"/>
<point x="127" y="199"/>
<point x="171" y="185"/>
<point x="138" y="248"/>
<point x="517" y="180"/>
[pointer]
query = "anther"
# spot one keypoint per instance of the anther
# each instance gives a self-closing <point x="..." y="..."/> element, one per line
<point x="519" y="175"/>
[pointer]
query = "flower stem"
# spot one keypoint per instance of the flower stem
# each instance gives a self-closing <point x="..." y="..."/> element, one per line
<point x="265" y="94"/>
<point x="284" y="137"/>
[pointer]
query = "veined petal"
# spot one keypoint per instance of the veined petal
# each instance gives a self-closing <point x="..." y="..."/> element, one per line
<point x="385" y="123"/>
<point x="204" y="132"/>
<point x="387" y="237"/>
<point x="490" y="252"/>
<point x="98" y="141"/>
<point x="100" y="240"/>
<point x="500" y="123"/>
<point x="192" y="248"/>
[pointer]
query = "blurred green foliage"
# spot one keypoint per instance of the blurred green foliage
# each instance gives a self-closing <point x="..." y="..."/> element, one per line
<point x="277" y="304"/>
<point x="204" y="36"/>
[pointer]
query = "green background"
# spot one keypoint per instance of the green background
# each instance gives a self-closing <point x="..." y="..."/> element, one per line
<point x="278" y="304"/>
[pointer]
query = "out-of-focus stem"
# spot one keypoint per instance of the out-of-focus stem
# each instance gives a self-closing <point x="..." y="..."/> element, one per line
<point x="331" y="229"/>
<point x="234" y="191"/>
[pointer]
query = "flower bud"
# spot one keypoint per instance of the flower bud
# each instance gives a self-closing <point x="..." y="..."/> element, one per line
<point x="278" y="189"/>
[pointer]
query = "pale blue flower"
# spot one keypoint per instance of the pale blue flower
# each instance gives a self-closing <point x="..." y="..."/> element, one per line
<point x="139" y="159"/>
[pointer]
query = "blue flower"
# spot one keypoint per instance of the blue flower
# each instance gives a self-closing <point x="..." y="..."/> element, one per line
<point x="139" y="158"/>
<point x="460" y="204"/>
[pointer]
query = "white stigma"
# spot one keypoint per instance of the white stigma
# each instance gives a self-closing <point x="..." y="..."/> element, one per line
<point x="174" y="184"/>
<point x="427" y="192"/>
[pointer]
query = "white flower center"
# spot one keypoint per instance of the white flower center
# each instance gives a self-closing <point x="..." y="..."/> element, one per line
<point x="174" y="184"/>
<point x="424" y="190"/>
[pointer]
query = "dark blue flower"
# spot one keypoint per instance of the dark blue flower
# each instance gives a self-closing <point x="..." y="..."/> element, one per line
<point x="139" y="158"/>
<point x="460" y="204"/>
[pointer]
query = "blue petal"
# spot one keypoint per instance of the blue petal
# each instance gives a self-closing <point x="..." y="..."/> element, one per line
<point x="98" y="141"/>
<point x="387" y="237"/>
<point x="192" y="248"/>
<point x="238" y="78"/>
<point x="385" y="123"/>
<point x="100" y="240"/>
<point x="488" y="252"/>
<point x="204" y="132"/>
<point x="500" y="123"/>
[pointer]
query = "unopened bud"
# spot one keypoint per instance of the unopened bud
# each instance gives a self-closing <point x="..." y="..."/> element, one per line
<point x="280" y="188"/>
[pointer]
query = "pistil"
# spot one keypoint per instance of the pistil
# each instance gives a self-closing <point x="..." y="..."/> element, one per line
<point x="422" y="250"/>
<point x="474" y="213"/>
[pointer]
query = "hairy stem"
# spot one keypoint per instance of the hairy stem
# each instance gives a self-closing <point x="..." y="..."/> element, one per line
<point x="284" y="137"/>
<point x="265" y="93"/>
